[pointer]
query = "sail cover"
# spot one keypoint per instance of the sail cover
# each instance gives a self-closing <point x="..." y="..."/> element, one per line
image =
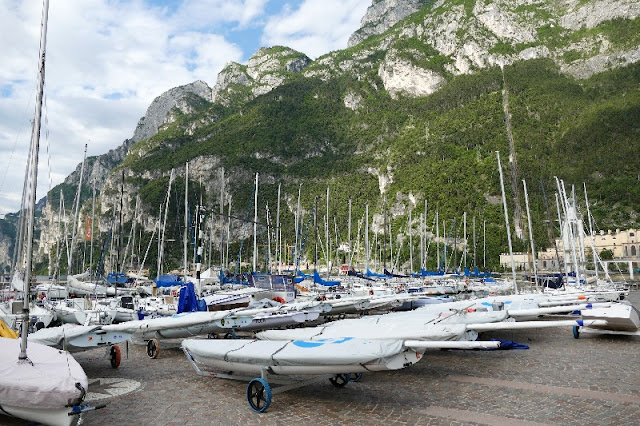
<point x="53" y="378"/>
<point x="327" y="352"/>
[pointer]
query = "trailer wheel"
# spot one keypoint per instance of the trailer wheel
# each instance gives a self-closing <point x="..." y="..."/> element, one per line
<point x="576" y="332"/>
<point x="355" y="377"/>
<point x="339" y="380"/>
<point x="259" y="395"/>
<point x="153" y="348"/>
<point x="116" y="356"/>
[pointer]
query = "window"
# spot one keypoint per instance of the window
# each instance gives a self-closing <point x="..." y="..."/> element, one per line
<point x="634" y="251"/>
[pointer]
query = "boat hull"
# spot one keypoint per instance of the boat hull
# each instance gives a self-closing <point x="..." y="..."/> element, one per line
<point x="50" y="416"/>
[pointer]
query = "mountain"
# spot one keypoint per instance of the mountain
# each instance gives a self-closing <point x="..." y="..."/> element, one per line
<point x="408" y="117"/>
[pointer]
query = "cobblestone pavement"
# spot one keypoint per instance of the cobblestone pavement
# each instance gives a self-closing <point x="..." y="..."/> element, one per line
<point x="594" y="380"/>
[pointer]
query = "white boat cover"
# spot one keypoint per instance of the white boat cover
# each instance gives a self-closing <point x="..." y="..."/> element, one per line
<point x="55" y="336"/>
<point x="186" y="319"/>
<point x="48" y="381"/>
<point x="371" y="330"/>
<point x="374" y="354"/>
<point x="90" y="288"/>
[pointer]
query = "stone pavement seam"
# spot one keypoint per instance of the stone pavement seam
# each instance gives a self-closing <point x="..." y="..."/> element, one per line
<point x="554" y="390"/>
<point x="475" y="417"/>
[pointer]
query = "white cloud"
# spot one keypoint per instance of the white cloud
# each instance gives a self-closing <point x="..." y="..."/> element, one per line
<point x="316" y="27"/>
<point x="199" y="14"/>
<point x="107" y="60"/>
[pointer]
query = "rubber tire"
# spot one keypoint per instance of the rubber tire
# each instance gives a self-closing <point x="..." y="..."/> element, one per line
<point x="153" y="348"/>
<point x="116" y="356"/>
<point x="355" y="377"/>
<point x="259" y="395"/>
<point x="339" y="380"/>
<point x="576" y="332"/>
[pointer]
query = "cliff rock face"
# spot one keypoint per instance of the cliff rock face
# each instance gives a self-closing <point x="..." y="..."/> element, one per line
<point x="382" y="15"/>
<point x="159" y="109"/>
<point x="267" y="69"/>
<point x="463" y="38"/>
<point x="401" y="77"/>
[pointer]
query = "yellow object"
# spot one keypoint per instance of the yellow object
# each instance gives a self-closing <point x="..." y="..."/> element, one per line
<point x="6" y="331"/>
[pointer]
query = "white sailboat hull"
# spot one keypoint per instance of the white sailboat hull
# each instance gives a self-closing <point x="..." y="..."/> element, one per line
<point x="332" y="356"/>
<point x="46" y="416"/>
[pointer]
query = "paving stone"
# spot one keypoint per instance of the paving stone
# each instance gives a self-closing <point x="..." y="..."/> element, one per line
<point x="559" y="380"/>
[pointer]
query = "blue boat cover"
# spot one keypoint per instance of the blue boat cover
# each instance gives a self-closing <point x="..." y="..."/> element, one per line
<point x="233" y="279"/>
<point x="188" y="301"/>
<point x="301" y="277"/>
<point x="318" y="280"/>
<point x="425" y="273"/>
<point x="368" y="273"/>
<point x="168" y="281"/>
<point x="119" y="278"/>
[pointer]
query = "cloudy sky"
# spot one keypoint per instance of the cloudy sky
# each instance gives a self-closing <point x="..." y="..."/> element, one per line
<point x="108" y="59"/>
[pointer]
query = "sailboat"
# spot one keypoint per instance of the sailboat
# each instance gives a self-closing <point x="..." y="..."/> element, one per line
<point x="40" y="384"/>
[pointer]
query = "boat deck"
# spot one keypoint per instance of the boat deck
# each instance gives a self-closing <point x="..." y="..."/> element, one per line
<point x="559" y="380"/>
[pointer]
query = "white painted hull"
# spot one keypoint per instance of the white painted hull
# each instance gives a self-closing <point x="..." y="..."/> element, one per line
<point x="619" y="317"/>
<point x="51" y="416"/>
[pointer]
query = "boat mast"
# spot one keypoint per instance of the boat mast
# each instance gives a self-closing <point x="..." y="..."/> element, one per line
<point x="93" y="215"/>
<point x="506" y="218"/>
<point x="278" y="234"/>
<point x="438" y="238"/>
<point x="222" y="220"/>
<point x="593" y="238"/>
<point x="384" y="233"/>
<point x="186" y="221"/>
<point x="326" y="236"/>
<point x="424" y="232"/>
<point x="410" y="244"/>
<point x="315" y="235"/>
<point x="255" y="227"/>
<point x="349" y="234"/>
<point x="33" y="168"/>
<point x="133" y="233"/>
<point x="475" y="265"/>
<point x="298" y="224"/>
<point x="421" y="228"/>
<point x="366" y="237"/>
<point x="533" y="250"/>
<point x="164" y="224"/>
<point x="464" y="238"/>
<point x="77" y="213"/>
<point x="269" y="227"/>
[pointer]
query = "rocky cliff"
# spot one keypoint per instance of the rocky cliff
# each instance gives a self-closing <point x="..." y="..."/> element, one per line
<point x="267" y="69"/>
<point x="411" y="49"/>
<point x="441" y="39"/>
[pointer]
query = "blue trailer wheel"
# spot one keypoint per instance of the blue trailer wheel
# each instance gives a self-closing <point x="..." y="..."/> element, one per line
<point x="259" y="395"/>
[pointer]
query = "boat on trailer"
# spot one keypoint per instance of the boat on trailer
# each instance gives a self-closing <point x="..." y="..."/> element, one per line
<point x="295" y="363"/>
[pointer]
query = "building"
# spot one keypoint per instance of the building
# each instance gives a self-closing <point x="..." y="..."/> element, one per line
<point x="624" y="244"/>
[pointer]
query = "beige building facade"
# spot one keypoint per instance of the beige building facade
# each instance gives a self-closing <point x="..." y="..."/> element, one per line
<point x="624" y="244"/>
